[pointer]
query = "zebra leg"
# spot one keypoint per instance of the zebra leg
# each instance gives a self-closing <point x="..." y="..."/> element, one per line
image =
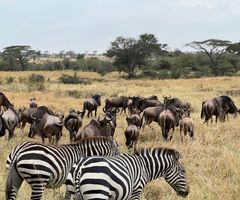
<point x="37" y="191"/>
<point x="14" y="182"/>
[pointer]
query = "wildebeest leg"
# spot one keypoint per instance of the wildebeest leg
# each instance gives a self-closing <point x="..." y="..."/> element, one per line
<point x="181" y="134"/>
<point x="42" y="138"/>
<point x="23" y="126"/>
<point x="170" y="137"/>
<point x="96" y="113"/>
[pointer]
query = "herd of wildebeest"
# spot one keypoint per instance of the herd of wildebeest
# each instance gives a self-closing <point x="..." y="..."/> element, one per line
<point x="120" y="176"/>
<point x="170" y="113"/>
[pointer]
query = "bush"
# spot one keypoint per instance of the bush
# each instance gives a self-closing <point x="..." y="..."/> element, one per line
<point x="9" y="80"/>
<point x="67" y="79"/>
<point x="36" y="82"/>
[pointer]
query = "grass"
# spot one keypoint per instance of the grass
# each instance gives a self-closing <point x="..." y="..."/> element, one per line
<point x="212" y="161"/>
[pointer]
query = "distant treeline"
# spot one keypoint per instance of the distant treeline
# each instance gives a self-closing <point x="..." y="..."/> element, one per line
<point x="139" y="58"/>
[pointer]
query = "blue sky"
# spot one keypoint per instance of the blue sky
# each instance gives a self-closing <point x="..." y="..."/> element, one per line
<point x="87" y="25"/>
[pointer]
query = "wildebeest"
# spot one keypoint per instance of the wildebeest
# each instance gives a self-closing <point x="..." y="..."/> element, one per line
<point x="218" y="106"/>
<point x="143" y="103"/>
<point x="111" y="126"/>
<point x="95" y="128"/>
<point x="26" y="114"/>
<point x="11" y="120"/>
<point x="211" y="107"/>
<point x="134" y="119"/>
<point x="91" y="104"/>
<point x="48" y="126"/>
<point x="118" y="102"/>
<point x="187" y="126"/>
<point x="228" y="105"/>
<point x="72" y="122"/>
<point x="169" y="119"/>
<point x="176" y="102"/>
<point x="33" y="103"/>
<point x="131" y="136"/>
<point x="151" y="114"/>
<point x="4" y="101"/>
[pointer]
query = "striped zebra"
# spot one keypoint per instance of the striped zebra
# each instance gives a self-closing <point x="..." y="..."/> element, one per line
<point x="124" y="177"/>
<point x="46" y="166"/>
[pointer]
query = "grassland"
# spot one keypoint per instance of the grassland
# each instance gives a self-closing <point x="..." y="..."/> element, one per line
<point x="212" y="161"/>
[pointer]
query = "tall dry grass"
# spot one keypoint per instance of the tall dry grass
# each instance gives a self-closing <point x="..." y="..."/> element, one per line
<point x="212" y="161"/>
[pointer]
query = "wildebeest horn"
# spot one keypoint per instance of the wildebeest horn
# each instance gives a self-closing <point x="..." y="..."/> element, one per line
<point x="33" y="117"/>
<point x="104" y="109"/>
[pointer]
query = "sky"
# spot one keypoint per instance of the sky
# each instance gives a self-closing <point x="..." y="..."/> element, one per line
<point x="88" y="25"/>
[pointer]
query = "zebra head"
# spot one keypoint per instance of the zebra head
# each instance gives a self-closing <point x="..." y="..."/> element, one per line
<point x="176" y="175"/>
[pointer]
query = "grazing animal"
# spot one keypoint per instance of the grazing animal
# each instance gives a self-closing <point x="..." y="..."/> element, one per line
<point x="176" y="102"/>
<point x="91" y="104"/>
<point x="143" y="103"/>
<point x="73" y="122"/>
<point x="123" y="177"/>
<point x="169" y="119"/>
<point x="11" y="120"/>
<point x="48" y="126"/>
<point x="186" y="126"/>
<point x="96" y="128"/>
<point x="151" y="114"/>
<point x="26" y="114"/>
<point x="228" y="105"/>
<point x="118" y="102"/>
<point x="46" y="166"/>
<point x="4" y="101"/>
<point x="112" y="125"/>
<point x="131" y="136"/>
<point x="33" y="103"/>
<point x="134" y="119"/>
<point x="212" y="107"/>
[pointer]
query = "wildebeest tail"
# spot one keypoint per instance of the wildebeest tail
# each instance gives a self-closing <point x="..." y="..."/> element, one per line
<point x="202" y="112"/>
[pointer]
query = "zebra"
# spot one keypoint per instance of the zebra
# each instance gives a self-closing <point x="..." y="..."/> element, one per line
<point x="47" y="166"/>
<point x="124" y="177"/>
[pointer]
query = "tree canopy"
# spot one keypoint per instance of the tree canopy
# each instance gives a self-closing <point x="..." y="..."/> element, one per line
<point x="130" y="53"/>
<point x="18" y="55"/>
<point x="213" y="48"/>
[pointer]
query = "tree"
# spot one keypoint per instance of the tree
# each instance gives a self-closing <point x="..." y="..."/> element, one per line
<point x="19" y="54"/>
<point x="130" y="53"/>
<point x="234" y="49"/>
<point x="214" y="49"/>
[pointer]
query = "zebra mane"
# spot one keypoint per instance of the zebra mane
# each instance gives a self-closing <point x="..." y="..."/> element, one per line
<point x="96" y="138"/>
<point x="158" y="150"/>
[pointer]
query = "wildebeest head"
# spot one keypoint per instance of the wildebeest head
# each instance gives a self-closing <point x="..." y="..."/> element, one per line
<point x="97" y="98"/>
<point x="35" y="127"/>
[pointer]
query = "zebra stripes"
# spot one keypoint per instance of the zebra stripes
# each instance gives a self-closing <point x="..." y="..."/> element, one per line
<point x="48" y="166"/>
<point x="124" y="177"/>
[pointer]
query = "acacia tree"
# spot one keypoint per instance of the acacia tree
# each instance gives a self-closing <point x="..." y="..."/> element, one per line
<point x="19" y="54"/>
<point x="130" y="53"/>
<point x="214" y="49"/>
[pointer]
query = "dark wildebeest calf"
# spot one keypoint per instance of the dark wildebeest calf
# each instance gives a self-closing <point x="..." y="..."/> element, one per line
<point x="187" y="126"/>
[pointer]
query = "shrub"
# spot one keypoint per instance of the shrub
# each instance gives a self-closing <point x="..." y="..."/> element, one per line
<point x="36" y="82"/>
<point x="67" y="79"/>
<point x="9" y="80"/>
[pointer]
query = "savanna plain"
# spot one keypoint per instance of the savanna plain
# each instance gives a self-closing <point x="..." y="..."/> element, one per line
<point x="212" y="161"/>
